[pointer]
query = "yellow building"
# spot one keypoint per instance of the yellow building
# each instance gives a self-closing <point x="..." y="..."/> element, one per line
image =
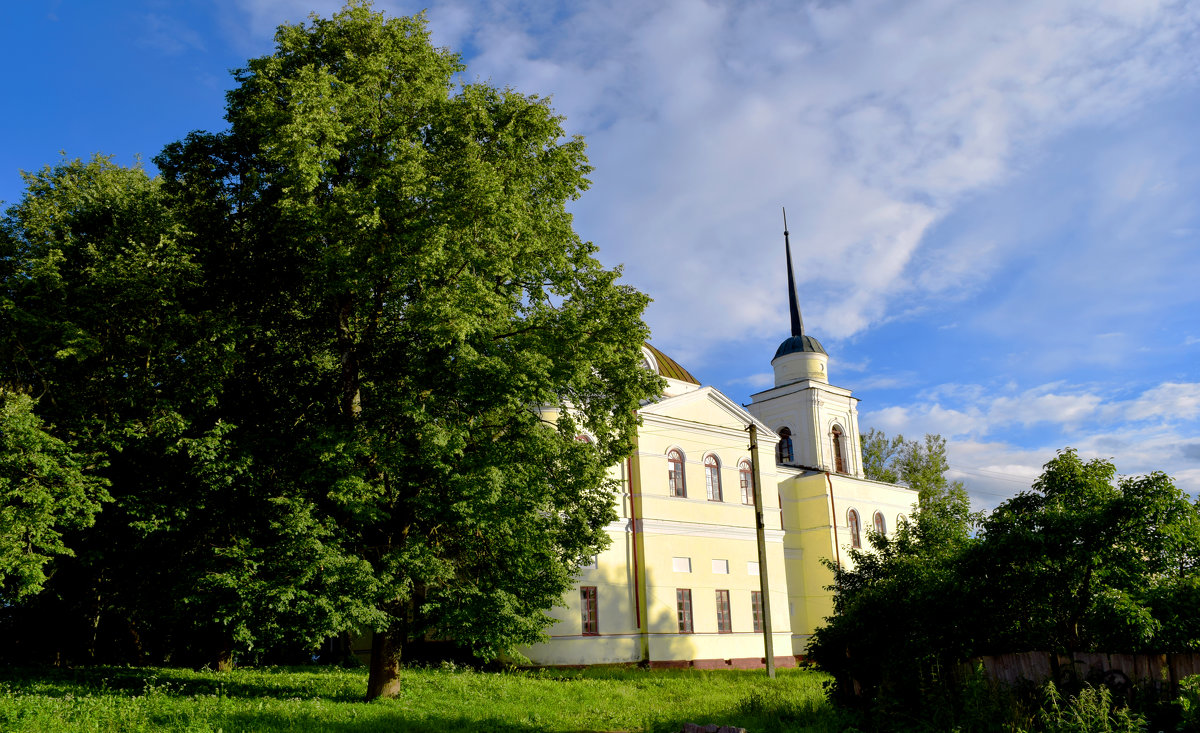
<point x="680" y="583"/>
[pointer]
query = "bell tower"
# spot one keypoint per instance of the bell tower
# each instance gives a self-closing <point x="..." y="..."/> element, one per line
<point x="816" y="421"/>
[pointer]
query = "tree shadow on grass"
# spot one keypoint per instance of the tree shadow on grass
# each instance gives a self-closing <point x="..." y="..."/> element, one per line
<point x="373" y="721"/>
<point x="138" y="680"/>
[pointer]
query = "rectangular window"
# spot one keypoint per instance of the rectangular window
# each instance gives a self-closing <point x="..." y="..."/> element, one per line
<point x="720" y="567"/>
<point x="751" y="568"/>
<point x="593" y="563"/>
<point x="756" y="609"/>
<point x="683" y="605"/>
<point x="588" y="611"/>
<point x="724" y="623"/>
<point x="681" y="564"/>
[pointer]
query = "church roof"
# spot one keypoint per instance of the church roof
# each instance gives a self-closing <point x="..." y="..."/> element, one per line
<point x="798" y="342"/>
<point x="670" y="368"/>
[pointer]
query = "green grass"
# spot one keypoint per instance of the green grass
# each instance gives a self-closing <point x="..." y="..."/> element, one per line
<point x="319" y="698"/>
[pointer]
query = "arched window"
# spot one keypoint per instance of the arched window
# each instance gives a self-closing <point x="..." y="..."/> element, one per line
<point x="783" y="451"/>
<point x="855" y="529"/>
<point x="712" y="477"/>
<point x="746" y="480"/>
<point x="839" y="462"/>
<point x="880" y="527"/>
<point x="675" y="474"/>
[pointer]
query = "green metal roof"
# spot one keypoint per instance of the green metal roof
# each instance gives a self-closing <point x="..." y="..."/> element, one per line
<point x="669" y="368"/>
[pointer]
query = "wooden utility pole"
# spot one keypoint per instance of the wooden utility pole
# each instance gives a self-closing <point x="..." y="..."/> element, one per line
<point x="760" y="533"/>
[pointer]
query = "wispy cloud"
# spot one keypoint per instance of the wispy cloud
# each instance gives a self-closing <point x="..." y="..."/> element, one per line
<point x="168" y="35"/>
<point x="872" y="121"/>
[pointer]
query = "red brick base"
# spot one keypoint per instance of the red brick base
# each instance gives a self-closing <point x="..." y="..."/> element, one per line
<point x="738" y="663"/>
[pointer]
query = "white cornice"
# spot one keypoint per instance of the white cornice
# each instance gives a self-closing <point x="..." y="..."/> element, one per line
<point x="724" y="504"/>
<point x="711" y="531"/>
<point x="804" y="384"/>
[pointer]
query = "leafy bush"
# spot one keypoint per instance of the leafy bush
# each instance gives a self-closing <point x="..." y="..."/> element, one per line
<point x="1093" y="710"/>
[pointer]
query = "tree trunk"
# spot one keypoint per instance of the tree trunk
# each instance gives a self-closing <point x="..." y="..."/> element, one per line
<point x="224" y="660"/>
<point x="384" y="679"/>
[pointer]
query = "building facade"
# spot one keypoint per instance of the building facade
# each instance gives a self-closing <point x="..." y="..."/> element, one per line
<point x="680" y="583"/>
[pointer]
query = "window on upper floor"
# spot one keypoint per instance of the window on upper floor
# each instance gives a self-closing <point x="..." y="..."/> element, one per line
<point x="855" y="528"/>
<point x="712" y="477"/>
<point x="880" y="525"/>
<point x="839" y="460"/>
<point x="783" y="449"/>
<point x="746" y="481"/>
<point x="675" y="485"/>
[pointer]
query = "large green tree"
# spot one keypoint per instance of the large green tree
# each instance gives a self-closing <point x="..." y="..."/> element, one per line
<point x="422" y="335"/>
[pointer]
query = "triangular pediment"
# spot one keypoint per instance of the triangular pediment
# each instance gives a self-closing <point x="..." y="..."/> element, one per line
<point x="707" y="406"/>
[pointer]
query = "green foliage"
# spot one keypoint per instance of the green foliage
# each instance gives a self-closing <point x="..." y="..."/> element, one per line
<point x="1188" y="703"/>
<point x="332" y="364"/>
<point x="1093" y="710"/>
<point x="431" y="310"/>
<point x="1082" y="562"/>
<point x="44" y="490"/>
<point x="907" y="580"/>
<point x="1085" y="561"/>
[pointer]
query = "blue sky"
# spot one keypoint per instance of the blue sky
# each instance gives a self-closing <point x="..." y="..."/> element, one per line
<point x="995" y="207"/>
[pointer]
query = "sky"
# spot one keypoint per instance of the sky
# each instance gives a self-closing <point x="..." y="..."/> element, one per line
<point x="994" y="207"/>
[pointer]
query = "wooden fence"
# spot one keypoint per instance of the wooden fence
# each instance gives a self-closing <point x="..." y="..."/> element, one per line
<point x="1144" y="670"/>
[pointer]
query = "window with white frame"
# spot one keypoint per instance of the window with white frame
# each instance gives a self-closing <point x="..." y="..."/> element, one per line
<point x="712" y="477"/>
<point x="746" y="481"/>
<point x="839" y="459"/>
<point x="675" y="485"/>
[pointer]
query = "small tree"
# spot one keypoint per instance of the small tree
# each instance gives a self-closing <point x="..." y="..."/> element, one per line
<point x="44" y="490"/>
<point x="900" y="615"/>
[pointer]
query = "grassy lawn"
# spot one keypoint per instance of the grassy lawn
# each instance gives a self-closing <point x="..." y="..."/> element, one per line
<point x="319" y="698"/>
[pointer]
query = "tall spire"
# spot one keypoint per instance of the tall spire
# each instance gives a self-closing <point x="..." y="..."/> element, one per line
<point x="797" y="342"/>
<point x="793" y="304"/>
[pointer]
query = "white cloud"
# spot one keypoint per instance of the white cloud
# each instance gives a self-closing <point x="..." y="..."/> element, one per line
<point x="870" y="120"/>
<point x="876" y="123"/>
<point x="1170" y="401"/>
<point x="761" y="379"/>
<point x="1154" y="430"/>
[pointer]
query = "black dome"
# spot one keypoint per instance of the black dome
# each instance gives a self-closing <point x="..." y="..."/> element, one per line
<point x="799" y="344"/>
